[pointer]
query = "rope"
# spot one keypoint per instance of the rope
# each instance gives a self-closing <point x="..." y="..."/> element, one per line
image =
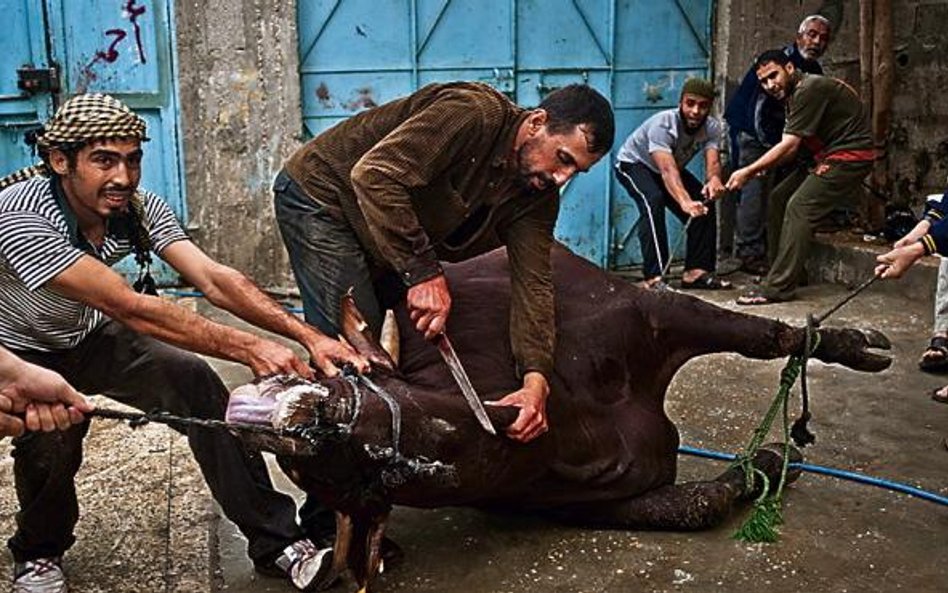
<point x="761" y="526"/>
<point x="136" y="419"/>
<point x="681" y="239"/>
<point x="852" y="294"/>
<point x="859" y="478"/>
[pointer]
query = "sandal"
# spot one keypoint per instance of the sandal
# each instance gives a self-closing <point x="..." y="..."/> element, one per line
<point x="935" y="357"/>
<point x="940" y="395"/>
<point x="755" y="297"/>
<point x="706" y="281"/>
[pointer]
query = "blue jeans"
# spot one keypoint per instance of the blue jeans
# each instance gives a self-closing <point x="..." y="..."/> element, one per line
<point x="751" y="226"/>
<point x="326" y="257"/>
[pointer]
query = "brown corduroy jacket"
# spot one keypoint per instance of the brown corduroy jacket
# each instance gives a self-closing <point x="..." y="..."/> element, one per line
<point x="430" y="177"/>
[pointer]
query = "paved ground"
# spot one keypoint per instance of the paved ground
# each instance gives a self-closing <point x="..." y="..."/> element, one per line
<point x="838" y="536"/>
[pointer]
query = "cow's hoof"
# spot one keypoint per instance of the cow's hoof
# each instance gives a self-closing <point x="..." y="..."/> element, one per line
<point x="769" y="460"/>
<point x="854" y="348"/>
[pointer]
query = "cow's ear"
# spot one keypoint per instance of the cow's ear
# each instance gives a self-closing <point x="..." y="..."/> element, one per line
<point x="358" y="333"/>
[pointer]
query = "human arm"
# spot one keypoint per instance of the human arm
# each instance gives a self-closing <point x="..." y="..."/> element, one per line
<point x="531" y="398"/>
<point x="713" y="187"/>
<point x="232" y="291"/>
<point x="919" y="231"/>
<point x="529" y="239"/>
<point x="780" y="152"/>
<point x="414" y="157"/>
<point x="896" y="262"/>
<point x="429" y="304"/>
<point x="936" y="209"/>
<point x="90" y="281"/>
<point x="671" y="177"/>
<point x="47" y="400"/>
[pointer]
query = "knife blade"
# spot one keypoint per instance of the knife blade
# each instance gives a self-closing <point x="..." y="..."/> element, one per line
<point x="464" y="382"/>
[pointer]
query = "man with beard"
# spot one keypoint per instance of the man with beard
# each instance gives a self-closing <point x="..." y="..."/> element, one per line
<point x="446" y="173"/>
<point x="825" y="116"/>
<point x="651" y="168"/>
<point x="755" y="123"/>
<point x="63" y="223"/>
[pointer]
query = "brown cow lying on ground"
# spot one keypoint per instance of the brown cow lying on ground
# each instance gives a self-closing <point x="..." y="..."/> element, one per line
<point x="610" y="456"/>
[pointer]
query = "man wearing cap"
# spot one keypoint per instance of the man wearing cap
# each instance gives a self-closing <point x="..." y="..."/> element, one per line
<point x="62" y="224"/>
<point x="651" y="168"/>
<point x="825" y="116"/>
<point x="755" y="123"/>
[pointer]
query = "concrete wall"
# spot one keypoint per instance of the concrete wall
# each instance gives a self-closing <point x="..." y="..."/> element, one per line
<point x="240" y="98"/>
<point x="918" y="148"/>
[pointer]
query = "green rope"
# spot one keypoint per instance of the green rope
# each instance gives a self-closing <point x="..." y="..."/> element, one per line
<point x="767" y="516"/>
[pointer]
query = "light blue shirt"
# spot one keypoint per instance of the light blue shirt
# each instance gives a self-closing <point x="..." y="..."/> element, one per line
<point x="665" y="132"/>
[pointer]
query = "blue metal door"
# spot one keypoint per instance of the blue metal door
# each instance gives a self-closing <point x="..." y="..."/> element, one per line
<point x="658" y="45"/>
<point x="119" y="47"/>
<point x="355" y="54"/>
<point x="23" y="48"/>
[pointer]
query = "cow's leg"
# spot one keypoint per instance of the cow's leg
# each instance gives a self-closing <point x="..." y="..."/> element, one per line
<point x="373" y="544"/>
<point x="343" y="545"/>
<point x="362" y="550"/>
<point x="690" y="506"/>
<point x="721" y="330"/>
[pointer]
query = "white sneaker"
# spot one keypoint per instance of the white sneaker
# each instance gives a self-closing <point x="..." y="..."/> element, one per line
<point x="43" y="575"/>
<point x="308" y="567"/>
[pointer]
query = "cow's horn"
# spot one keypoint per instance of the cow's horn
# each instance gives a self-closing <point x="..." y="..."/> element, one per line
<point x="358" y="333"/>
<point x="390" y="337"/>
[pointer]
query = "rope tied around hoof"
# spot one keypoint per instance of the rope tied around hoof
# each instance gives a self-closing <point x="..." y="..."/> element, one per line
<point x="763" y="523"/>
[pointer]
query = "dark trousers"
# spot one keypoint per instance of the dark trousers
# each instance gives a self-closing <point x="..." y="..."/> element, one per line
<point x="147" y="374"/>
<point x="327" y="260"/>
<point x="648" y="191"/>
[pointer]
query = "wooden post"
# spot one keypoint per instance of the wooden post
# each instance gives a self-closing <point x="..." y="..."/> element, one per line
<point x="883" y="78"/>
<point x="865" y="52"/>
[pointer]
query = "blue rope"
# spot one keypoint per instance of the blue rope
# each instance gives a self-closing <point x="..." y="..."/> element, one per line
<point x="830" y="471"/>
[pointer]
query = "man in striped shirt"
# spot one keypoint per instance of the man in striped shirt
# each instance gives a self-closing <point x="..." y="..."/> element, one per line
<point x="62" y="224"/>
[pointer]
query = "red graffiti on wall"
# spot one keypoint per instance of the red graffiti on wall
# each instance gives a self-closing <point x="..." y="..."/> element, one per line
<point x="131" y="11"/>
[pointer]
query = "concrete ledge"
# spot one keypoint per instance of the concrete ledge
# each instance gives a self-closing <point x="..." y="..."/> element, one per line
<point x="844" y="258"/>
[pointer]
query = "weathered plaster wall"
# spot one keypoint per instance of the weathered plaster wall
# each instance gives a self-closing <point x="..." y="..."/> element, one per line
<point x="918" y="148"/>
<point x="239" y="84"/>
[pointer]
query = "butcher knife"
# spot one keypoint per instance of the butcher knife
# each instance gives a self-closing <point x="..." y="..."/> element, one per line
<point x="457" y="371"/>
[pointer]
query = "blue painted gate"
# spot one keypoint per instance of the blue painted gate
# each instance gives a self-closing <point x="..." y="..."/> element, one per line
<point x="358" y="53"/>
<point x="54" y="49"/>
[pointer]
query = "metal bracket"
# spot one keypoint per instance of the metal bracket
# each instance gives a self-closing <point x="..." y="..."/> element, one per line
<point x="38" y="80"/>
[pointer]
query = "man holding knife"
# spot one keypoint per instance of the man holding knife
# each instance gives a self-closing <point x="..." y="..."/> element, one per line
<point x="447" y="173"/>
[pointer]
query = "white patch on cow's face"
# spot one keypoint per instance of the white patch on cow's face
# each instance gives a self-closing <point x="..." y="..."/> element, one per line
<point x="296" y="404"/>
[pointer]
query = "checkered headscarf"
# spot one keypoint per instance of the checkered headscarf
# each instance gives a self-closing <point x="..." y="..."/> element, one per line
<point x="82" y="119"/>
